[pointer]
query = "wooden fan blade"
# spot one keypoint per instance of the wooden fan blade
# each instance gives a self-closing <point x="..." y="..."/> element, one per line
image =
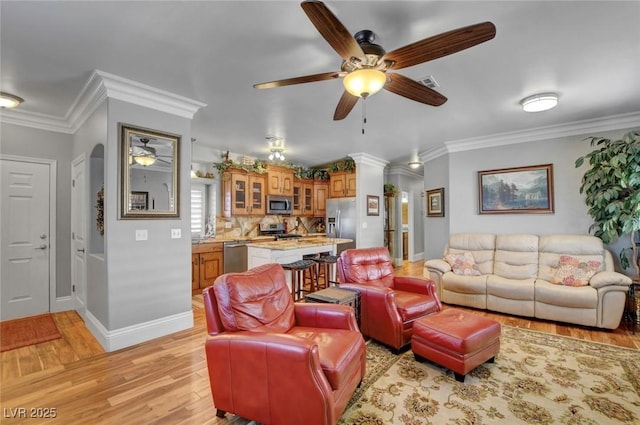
<point x="345" y="105"/>
<point x="406" y="87"/>
<point x="332" y="30"/>
<point x="441" y="45"/>
<point x="298" y="80"/>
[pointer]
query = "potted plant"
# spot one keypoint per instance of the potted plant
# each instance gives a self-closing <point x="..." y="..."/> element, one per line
<point x="390" y="190"/>
<point x="612" y="189"/>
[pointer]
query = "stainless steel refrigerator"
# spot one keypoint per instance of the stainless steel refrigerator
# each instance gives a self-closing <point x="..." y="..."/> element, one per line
<point x="341" y="221"/>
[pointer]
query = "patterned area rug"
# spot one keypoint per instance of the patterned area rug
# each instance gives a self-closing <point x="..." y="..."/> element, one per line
<point x="27" y="331"/>
<point x="536" y="379"/>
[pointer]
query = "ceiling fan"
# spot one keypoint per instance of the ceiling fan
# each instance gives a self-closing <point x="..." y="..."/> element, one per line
<point x="146" y="155"/>
<point x="367" y="68"/>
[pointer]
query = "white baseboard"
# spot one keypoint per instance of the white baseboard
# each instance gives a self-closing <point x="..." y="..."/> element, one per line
<point x="141" y="332"/>
<point x="418" y="256"/>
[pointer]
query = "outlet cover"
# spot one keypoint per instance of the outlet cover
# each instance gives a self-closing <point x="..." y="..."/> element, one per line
<point x="142" y="235"/>
<point x="176" y="233"/>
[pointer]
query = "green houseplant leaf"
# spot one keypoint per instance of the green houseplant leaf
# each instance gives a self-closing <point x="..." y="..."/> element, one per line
<point x="611" y="186"/>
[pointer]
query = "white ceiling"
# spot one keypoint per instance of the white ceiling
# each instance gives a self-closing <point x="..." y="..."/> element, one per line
<point x="214" y="51"/>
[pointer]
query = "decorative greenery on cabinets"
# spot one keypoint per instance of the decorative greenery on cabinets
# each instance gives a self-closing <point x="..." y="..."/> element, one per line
<point x="346" y="164"/>
<point x="612" y="189"/>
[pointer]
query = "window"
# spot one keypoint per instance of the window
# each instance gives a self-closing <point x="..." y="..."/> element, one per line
<point x="198" y="210"/>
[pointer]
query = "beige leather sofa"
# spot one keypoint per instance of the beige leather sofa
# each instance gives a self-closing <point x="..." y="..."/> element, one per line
<point x="513" y="273"/>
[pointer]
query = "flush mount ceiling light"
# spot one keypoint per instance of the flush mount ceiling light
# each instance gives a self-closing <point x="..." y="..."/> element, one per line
<point x="8" y="100"/>
<point x="415" y="161"/>
<point x="364" y="82"/>
<point x="539" y="102"/>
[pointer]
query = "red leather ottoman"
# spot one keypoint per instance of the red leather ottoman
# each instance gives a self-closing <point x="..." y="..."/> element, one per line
<point x="456" y="339"/>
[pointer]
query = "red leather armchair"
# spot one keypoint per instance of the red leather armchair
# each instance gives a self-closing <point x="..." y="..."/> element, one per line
<point x="389" y="304"/>
<point x="275" y="361"/>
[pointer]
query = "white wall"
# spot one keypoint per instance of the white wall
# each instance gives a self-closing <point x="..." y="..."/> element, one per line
<point x="369" y="181"/>
<point x="436" y="229"/>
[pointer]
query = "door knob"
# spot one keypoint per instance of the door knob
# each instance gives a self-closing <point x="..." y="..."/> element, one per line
<point x="80" y="250"/>
<point x="43" y="236"/>
<point x="43" y="246"/>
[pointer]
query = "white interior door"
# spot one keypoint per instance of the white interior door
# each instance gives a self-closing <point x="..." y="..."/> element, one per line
<point x="25" y="238"/>
<point x="78" y="235"/>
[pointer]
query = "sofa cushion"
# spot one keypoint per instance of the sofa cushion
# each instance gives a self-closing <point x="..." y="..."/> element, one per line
<point x="481" y="245"/>
<point x="463" y="264"/>
<point x="513" y="289"/>
<point x="566" y="296"/>
<point x="552" y="247"/>
<point x="516" y="256"/>
<point x="570" y="271"/>
<point x="256" y="300"/>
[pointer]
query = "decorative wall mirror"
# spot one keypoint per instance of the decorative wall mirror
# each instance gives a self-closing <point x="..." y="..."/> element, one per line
<point x="149" y="173"/>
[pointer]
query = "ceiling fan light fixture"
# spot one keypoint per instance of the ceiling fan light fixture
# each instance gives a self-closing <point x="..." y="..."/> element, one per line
<point x="145" y="160"/>
<point x="8" y="100"/>
<point x="539" y="102"/>
<point x="364" y="82"/>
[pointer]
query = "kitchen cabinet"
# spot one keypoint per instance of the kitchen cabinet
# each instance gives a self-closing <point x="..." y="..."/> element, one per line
<point x="342" y="184"/>
<point x="320" y="195"/>
<point x="244" y="193"/>
<point x="206" y="265"/>
<point x="303" y="197"/>
<point x="279" y="180"/>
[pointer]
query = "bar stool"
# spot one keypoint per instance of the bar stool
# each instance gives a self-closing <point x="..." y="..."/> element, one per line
<point x="326" y="264"/>
<point x="298" y="269"/>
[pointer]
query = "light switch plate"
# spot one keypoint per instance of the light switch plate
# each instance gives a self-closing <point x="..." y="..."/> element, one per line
<point x="142" y="235"/>
<point x="176" y="234"/>
<point x="364" y="224"/>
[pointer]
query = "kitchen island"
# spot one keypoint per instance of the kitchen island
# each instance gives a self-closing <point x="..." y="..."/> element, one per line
<point x="288" y="251"/>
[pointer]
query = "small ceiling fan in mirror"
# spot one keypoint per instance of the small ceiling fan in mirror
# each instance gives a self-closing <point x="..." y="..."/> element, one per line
<point x="146" y="155"/>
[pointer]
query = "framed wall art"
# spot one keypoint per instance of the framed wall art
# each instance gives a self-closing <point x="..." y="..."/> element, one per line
<point x="373" y="205"/>
<point x="520" y="190"/>
<point x="435" y="202"/>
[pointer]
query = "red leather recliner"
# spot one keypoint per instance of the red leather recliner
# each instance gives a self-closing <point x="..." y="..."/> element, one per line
<point x="275" y="361"/>
<point x="389" y="304"/>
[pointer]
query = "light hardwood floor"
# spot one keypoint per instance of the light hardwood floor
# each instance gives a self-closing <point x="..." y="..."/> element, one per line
<point x="163" y="381"/>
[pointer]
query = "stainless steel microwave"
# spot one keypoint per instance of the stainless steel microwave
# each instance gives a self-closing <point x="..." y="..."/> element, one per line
<point x="279" y="204"/>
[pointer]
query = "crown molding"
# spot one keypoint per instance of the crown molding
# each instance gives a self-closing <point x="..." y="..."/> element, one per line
<point x="100" y="86"/>
<point x="403" y="170"/>
<point x="433" y="154"/>
<point x="366" y="159"/>
<point x="616" y="122"/>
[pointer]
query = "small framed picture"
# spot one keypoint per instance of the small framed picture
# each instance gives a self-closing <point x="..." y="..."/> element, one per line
<point x="435" y="202"/>
<point x="373" y="205"/>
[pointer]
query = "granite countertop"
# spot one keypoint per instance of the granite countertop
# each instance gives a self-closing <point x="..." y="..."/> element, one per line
<point x="299" y="243"/>
<point x="222" y="238"/>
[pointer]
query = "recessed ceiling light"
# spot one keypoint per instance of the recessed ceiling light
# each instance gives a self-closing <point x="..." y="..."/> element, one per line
<point x="539" y="102"/>
<point x="8" y="100"/>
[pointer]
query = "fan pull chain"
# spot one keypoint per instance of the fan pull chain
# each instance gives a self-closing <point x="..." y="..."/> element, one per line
<point x="364" y="112"/>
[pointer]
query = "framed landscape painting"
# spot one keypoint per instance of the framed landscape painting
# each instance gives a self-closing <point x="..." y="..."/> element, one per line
<point x="435" y="202"/>
<point x="520" y="190"/>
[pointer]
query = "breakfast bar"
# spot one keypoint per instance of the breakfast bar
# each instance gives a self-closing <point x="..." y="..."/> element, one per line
<point x="289" y="251"/>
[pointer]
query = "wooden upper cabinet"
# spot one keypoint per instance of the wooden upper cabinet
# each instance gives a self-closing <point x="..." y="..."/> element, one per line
<point x="320" y="195"/>
<point x="244" y="193"/>
<point x="279" y="180"/>
<point x="342" y="184"/>
<point x="303" y="197"/>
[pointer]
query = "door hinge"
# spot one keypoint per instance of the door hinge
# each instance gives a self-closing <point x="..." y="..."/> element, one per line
<point x="73" y="288"/>
<point x="73" y="183"/>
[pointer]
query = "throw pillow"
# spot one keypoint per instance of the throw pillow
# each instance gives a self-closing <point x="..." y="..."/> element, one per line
<point x="570" y="271"/>
<point x="463" y="264"/>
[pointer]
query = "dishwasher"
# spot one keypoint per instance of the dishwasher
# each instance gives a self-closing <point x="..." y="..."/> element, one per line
<point x="235" y="256"/>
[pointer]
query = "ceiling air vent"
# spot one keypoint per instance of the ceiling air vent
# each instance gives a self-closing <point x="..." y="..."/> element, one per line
<point x="429" y="81"/>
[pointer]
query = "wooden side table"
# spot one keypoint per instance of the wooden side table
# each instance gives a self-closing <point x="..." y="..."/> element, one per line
<point x="334" y="295"/>
<point x="632" y="307"/>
